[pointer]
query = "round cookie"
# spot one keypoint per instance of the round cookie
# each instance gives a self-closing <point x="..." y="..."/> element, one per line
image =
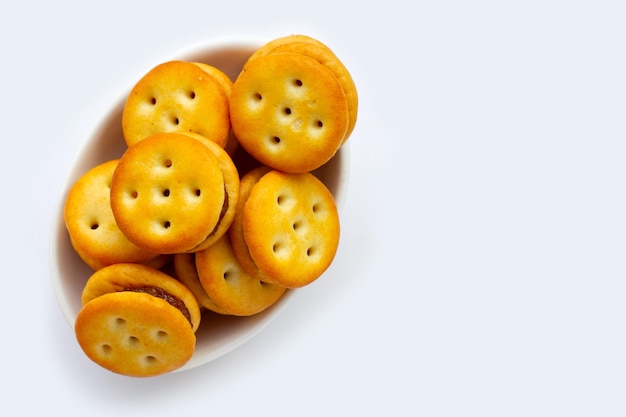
<point x="130" y="276"/>
<point x="229" y="285"/>
<point x="235" y="233"/>
<point x="177" y="96"/>
<point x="291" y="227"/>
<point x="289" y="111"/>
<point x="136" y="320"/>
<point x="185" y="270"/>
<point x="168" y="193"/>
<point x="315" y="49"/>
<point x="134" y="334"/>
<point x="90" y="223"/>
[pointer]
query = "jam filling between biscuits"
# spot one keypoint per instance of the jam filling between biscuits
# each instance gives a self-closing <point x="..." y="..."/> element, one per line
<point x="161" y="293"/>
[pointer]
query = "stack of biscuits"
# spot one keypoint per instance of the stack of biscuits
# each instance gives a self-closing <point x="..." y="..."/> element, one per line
<point x="214" y="205"/>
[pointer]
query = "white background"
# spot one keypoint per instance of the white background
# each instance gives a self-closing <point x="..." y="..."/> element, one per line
<point x="481" y="270"/>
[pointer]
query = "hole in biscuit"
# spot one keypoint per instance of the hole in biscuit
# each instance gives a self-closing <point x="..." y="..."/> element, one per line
<point x="153" y="101"/>
<point x="281" y="199"/>
<point x="106" y="349"/>
<point x="192" y="95"/>
<point x="257" y="96"/>
<point x="150" y="360"/>
<point x="94" y="226"/>
<point x="275" y="139"/>
<point x="296" y="225"/>
<point x="310" y="251"/>
<point x="287" y="110"/>
<point x="166" y="224"/>
<point x="134" y="194"/>
<point x="277" y="247"/>
<point x="316" y="207"/>
<point x="319" y="123"/>
<point x="167" y="163"/>
<point x="132" y="341"/>
<point x="227" y="274"/>
<point x="160" y="335"/>
<point x="297" y="83"/>
<point x="197" y="192"/>
<point x="175" y="120"/>
<point x="166" y="193"/>
<point x="120" y="322"/>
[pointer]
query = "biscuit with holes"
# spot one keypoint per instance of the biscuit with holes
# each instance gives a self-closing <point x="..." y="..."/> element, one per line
<point x="289" y="111"/>
<point x="92" y="229"/>
<point x="291" y="227"/>
<point x="178" y="96"/>
<point x="137" y="321"/>
<point x="313" y="48"/>
<point x="168" y="193"/>
<point x="229" y="285"/>
<point x="185" y="271"/>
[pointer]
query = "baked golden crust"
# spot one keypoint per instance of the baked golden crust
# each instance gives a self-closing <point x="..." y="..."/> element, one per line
<point x="167" y="193"/>
<point x="177" y="96"/>
<point x="315" y="49"/>
<point x="291" y="227"/>
<point x="134" y="334"/>
<point x="289" y="111"/>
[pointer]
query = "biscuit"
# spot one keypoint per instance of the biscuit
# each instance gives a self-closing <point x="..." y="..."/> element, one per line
<point x="291" y="227"/>
<point x="134" y="334"/>
<point x="168" y="193"/>
<point x="313" y="48"/>
<point x="129" y="276"/>
<point x="136" y="320"/>
<point x="92" y="229"/>
<point x="229" y="285"/>
<point x="289" y="111"/>
<point x="185" y="271"/>
<point x="235" y="233"/>
<point x="178" y="96"/>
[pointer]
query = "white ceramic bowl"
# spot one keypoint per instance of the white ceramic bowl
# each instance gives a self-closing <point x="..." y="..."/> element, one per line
<point x="217" y="334"/>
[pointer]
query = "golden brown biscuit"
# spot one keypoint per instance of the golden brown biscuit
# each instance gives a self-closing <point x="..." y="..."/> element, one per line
<point x="134" y="334"/>
<point x="291" y="227"/>
<point x="168" y="193"/>
<point x="313" y="48"/>
<point x="185" y="271"/>
<point x="177" y="96"/>
<point x="93" y="232"/>
<point x="229" y="285"/>
<point x="137" y="321"/>
<point x="289" y="111"/>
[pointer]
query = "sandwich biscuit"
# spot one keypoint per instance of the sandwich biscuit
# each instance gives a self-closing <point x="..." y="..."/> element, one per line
<point x="315" y="49"/>
<point x="178" y="96"/>
<point x="168" y="193"/>
<point x="289" y="111"/>
<point x="291" y="227"/>
<point x="137" y="321"/>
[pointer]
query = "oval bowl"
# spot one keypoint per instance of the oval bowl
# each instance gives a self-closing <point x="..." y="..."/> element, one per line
<point x="218" y="334"/>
